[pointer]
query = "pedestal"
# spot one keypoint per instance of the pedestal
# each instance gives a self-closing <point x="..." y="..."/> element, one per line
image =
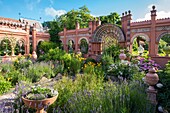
<point x="152" y="96"/>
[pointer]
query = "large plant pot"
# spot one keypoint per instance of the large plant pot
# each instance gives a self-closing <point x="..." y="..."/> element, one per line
<point x="39" y="104"/>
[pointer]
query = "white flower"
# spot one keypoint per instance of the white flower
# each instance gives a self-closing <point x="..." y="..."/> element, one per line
<point x="159" y="85"/>
<point x="143" y="79"/>
<point x="160" y="109"/>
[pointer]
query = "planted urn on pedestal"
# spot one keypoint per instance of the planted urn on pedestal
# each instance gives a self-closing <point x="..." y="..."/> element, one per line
<point x="151" y="78"/>
<point x="39" y="98"/>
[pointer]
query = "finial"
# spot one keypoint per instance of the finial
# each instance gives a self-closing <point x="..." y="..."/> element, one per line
<point x="125" y="12"/>
<point x="153" y="7"/>
<point x="129" y="11"/>
<point x="94" y="18"/>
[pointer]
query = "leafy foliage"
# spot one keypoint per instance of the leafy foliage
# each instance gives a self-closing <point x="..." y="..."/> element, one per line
<point x="125" y="70"/>
<point x="113" y="51"/>
<point x="44" y="47"/>
<point x="4" y="85"/>
<point x="164" y="92"/>
<point x="113" y="18"/>
<point x="82" y="15"/>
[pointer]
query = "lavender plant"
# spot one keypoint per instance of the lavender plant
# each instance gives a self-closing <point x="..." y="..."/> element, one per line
<point x="146" y="64"/>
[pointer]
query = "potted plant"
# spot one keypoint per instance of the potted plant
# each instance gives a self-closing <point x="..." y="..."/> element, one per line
<point x="39" y="97"/>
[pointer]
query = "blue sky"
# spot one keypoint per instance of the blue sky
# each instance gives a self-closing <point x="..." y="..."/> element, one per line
<point x="47" y="9"/>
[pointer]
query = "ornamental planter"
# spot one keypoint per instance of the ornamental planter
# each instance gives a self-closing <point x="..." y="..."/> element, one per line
<point x="39" y="104"/>
<point x="151" y="78"/>
<point x="122" y="56"/>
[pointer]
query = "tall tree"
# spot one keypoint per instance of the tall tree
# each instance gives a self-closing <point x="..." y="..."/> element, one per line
<point x="82" y="15"/>
<point x="113" y="18"/>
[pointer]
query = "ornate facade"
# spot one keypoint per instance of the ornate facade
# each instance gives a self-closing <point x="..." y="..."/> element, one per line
<point x="96" y="34"/>
<point x="23" y="31"/>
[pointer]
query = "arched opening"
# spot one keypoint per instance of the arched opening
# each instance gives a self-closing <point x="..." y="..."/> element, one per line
<point x="39" y="51"/>
<point x="108" y="41"/>
<point x="5" y="47"/>
<point x="140" y="46"/>
<point x="19" y="48"/>
<point x="106" y="37"/>
<point x="164" y="45"/>
<point x="83" y="46"/>
<point x="71" y="46"/>
<point x="61" y="45"/>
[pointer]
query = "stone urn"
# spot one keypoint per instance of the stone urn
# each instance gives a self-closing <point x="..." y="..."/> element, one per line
<point x="151" y="78"/>
<point x="39" y="104"/>
<point x="122" y="55"/>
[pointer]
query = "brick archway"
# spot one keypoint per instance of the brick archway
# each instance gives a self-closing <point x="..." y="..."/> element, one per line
<point x="152" y="29"/>
<point x="161" y="35"/>
<point x="105" y="36"/>
<point x="106" y="30"/>
<point x="140" y="34"/>
<point x="83" y="38"/>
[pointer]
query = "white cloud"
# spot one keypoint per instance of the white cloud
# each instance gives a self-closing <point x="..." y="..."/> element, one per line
<point x="93" y="15"/>
<point x="163" y="10"/>
<point x="160" y="14"/>
<point x="52" y="12"/>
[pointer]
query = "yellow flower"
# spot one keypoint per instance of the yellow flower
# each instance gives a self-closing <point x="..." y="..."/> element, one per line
<point x="8" y="79"/>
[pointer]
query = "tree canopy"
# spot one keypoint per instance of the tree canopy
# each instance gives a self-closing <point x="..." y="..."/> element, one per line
<point x="82" y="15"/>
<point x="112" y="18"/>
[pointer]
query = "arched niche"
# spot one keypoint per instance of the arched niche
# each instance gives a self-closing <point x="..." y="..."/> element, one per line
<point x="105" y="36"/>
<point x="140" y="44"/>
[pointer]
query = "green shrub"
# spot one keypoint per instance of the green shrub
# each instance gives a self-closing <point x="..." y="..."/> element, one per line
<point x="35" y="71"/>
<point x="114" y="98"/>
<point x="4" y="85"/>
<point x="6" y="67"/>
<point x="14" y="77"/>
<point x="75" y="65"/>
<point x="58" y="68"/>
<point x="164" y="92"/>
<point x="107" y="60"/>
<point x="52" y="55"/>
<point x="125" y="70"/>
<point x="21" y="63"/>
<point x="113" y="51"/>
<point x="67" y="87"/>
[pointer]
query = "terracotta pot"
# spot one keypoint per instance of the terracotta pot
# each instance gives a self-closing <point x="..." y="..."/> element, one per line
<point x="39" y="104"/>
<point x="122" y="56"/>
<point x="151" y="78"/>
